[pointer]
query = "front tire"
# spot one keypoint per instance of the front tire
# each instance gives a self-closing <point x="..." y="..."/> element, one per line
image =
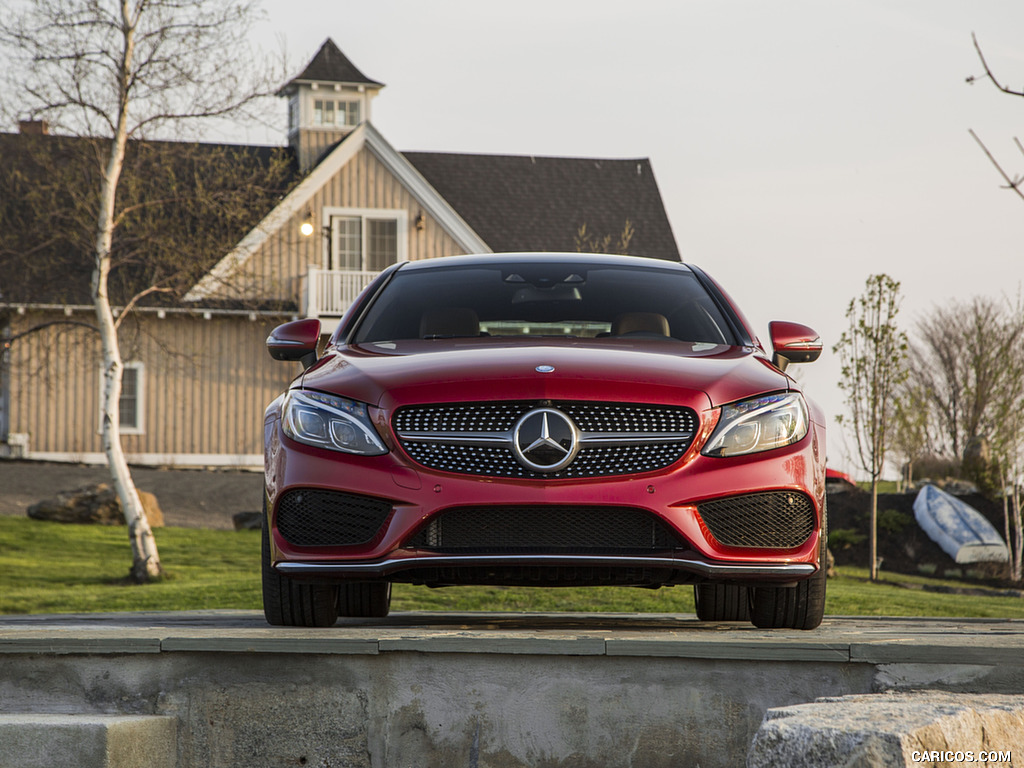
<point x="799" y="607"/>
<point x="721" y="602"/>
<point x="288" y="603"/>
<point x="365" y="599"/>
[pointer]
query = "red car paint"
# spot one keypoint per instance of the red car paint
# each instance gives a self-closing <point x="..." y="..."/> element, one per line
<point x="543" y="372"/>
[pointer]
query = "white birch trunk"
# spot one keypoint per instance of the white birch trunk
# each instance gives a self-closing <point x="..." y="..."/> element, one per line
<point x="145" y="559"/>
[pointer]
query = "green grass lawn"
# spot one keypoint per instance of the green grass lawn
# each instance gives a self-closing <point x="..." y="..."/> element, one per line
<point x="54" y="568"/>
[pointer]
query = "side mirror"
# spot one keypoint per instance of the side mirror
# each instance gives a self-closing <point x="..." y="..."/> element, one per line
<point x="296" y="340"/>
<point x="793" y="343"/>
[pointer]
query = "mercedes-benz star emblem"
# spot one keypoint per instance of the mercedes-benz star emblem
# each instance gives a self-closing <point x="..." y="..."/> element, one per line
<point x="546" y="440"/>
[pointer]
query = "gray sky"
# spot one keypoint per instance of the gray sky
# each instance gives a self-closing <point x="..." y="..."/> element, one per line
<point x="800" y="146"/>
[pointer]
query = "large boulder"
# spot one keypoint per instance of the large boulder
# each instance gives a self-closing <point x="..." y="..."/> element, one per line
<point x="247" y="521"/>
<point x="94" y="504"/>
<point x="891" y="730"/>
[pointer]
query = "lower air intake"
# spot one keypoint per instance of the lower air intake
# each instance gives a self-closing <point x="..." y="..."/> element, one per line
<point x="771" y="520"/>
<point x="545" y="529"/>
<point x="312" y="518"/>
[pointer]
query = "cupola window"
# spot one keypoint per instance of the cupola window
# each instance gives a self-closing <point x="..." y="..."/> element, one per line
<point x="332" y="113"/>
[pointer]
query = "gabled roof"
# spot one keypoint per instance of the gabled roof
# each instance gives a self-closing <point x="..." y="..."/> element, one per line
<point x="363" y="136"/>
<point x="524" y="203"/>
<point x="484" y="202"/>
<point x="332" y="66"/>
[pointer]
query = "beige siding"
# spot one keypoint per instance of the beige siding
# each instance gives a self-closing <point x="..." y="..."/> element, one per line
<point x="206" y="381"/>
<point x="277" y="270"/>
<point x="206" y="384"/>
<point x="314" y="143"/>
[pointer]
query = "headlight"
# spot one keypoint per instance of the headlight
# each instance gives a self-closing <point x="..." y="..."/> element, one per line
<point x="759" y="424"/>
<point x="331" y="422"/>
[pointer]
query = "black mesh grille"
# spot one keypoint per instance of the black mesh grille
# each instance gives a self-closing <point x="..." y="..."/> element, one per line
<point x="607" y="419"/>
<point x="776" y="519"/>
<point x="544" y="529"/>
<point x="309" y="518"/>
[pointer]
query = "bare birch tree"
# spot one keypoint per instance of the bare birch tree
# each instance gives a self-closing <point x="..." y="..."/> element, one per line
<point x="1006" y="428"/>
<point x="960" y="360"/>
<point x="1008" y="450"/>
<point x="119" y="70"/>
<point x="912" y="428"/>
<point x="872" y="352"/>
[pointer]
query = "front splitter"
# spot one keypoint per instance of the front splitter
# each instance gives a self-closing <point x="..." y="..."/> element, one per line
<point x="772" y="572"/>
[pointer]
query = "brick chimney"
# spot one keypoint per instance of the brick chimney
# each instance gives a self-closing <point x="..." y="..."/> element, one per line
<point x="33" y="127"/>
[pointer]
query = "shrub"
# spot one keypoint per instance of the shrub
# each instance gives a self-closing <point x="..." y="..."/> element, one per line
<point x="845" y="538"/>
<point x="893" y="521"/>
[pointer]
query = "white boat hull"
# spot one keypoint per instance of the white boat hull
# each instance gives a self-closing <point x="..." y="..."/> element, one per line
<point x="963" y="533"/>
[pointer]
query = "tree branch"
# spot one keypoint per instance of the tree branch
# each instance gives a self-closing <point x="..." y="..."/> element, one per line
<point x="42" y="326"/>
<point x="1013" y="184"/>
<point x="988" y="72"/>
<point x="135" y="300"/>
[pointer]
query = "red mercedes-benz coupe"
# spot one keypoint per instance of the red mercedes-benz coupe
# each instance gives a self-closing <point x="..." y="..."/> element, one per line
<point x="544" y="419"/>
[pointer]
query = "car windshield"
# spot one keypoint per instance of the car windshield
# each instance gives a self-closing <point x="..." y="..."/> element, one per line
<point x="547" y="298"/>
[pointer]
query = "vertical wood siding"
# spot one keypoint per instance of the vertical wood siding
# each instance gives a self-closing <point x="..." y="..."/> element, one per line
<point x="278" y="269"/>
<point x="206" y="384"/>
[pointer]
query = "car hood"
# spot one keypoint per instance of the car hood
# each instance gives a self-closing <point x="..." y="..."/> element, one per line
<point x="391" y="374"/>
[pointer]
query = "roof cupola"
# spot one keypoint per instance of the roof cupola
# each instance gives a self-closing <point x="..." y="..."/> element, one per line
<point x="326" y="102"/>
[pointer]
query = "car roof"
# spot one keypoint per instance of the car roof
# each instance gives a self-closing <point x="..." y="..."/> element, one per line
<point x="490" y="259"/>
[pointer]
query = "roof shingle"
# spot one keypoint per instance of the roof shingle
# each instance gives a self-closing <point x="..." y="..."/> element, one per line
<point x="331" y="65"/>
<point x="524" y="203"/>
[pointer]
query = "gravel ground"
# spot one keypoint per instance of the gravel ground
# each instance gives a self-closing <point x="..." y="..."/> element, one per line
<point x="189" y="498"/>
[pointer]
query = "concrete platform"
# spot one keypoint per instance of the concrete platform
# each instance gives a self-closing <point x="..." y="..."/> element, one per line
<point x="480" y="689"/>
<point x="87" y="741"/>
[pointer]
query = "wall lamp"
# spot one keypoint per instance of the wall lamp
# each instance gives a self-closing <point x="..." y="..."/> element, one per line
<point x="306" y="227"/>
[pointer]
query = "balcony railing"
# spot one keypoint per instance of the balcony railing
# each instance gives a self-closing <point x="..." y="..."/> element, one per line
<point x="330" y="292"/>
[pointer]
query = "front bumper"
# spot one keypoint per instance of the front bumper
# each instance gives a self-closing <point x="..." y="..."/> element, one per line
<point x="417" y="495"/>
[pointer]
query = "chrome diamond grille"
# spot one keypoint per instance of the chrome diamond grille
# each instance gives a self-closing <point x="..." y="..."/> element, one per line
<point x="471" y="459"/>
<point x="774" y="519"/>
<point x="476" y="438"/>
<point x="617" y="417"/>
<point x="469" y="417"/>
<point x="502" y="416"/>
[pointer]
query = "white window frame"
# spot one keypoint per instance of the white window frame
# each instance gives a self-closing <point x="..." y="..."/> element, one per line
<point x="337" y="108"/>
<point x="343" y="109"/>
<point x="139" y="428"/>
<point x="399" y="215"/>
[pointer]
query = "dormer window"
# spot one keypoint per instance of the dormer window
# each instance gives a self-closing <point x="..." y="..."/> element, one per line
<point x="335" y="113"/>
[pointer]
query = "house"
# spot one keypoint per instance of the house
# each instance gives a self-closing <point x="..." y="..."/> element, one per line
<point x="197" y="374"/>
